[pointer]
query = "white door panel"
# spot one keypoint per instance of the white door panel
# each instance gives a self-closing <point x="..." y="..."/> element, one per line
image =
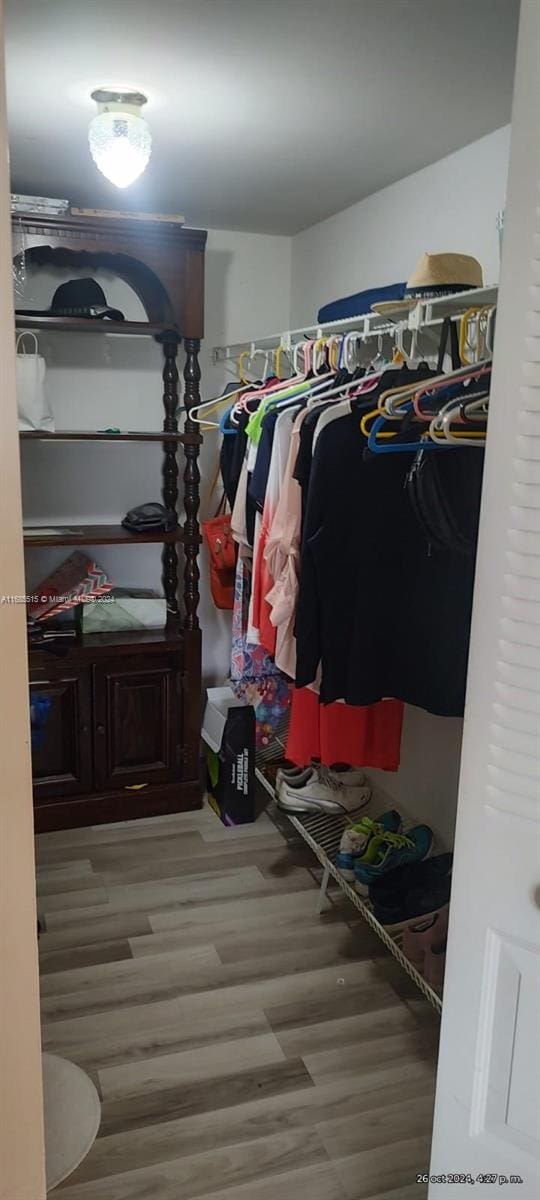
<point x="487" y="1116"/>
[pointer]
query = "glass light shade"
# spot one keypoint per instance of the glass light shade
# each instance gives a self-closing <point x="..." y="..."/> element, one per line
<point x="120" y="145"/>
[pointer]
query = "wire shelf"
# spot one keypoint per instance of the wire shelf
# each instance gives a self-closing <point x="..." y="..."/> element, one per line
<point x="323" y="832"/>
<point x="426" y="313"/>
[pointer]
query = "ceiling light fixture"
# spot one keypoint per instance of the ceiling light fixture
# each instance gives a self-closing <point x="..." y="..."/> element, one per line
<point x="119" y="137"/>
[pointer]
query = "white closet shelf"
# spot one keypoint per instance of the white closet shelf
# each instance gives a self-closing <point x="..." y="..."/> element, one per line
<point x="322" y="833"/>
<point x="424" y="314"/>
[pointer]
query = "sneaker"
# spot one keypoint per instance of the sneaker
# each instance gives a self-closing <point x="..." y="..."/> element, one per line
<point x="350" y="776"/>
<point x="323" y="793"/>
<point x="424" y="934"/>
<point x="355" y="839"/>
<point x="298" y="776"/>
<point x="390" y="890"/>
<point x="422" y="902"/>
<point x="295" y="776"/>
<point x="388" y="851"/>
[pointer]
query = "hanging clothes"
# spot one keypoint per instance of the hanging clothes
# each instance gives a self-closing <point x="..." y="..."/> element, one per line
<point x="367" y="736"/>
<point x="255" y="679"/>
<point x="377" y="602"/>
<point x="355" y="573"/>
<point x="262" y="580"/>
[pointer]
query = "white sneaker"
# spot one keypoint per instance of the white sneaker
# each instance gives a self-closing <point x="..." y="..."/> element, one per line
<point x="323" y="793"/>
<point x="298" y="776"/>
<point x="350" y="776"/>
<point x="294" y="776"/>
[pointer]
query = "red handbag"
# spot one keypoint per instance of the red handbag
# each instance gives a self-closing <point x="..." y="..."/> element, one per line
<point x="222" y="549"/>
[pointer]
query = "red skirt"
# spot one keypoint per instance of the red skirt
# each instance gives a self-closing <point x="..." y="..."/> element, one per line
<point x="362" y="736"/>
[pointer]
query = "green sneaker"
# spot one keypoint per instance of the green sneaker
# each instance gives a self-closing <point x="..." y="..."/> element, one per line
<point x="387" y="851"/>
<point x="356" y="838"/>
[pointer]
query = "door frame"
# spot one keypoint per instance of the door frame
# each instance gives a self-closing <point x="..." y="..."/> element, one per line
<point x="22" y="1152"/>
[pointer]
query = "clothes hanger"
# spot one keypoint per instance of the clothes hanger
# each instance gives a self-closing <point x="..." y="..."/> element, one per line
<point x="351" y="342"/>
<point x="399" y="357"/>
<point x="392" y="396"/>
<point x="297" y="348"/>
<point x="333" y="344"/>
<point x="394" y="404"/>
<point x="280" y="394"/>
<point x="353" y="387"/>
<point x="453" y="406"/>
<point x="246" y="391"/>
<point x="440" y="426"/>
<point x="446" y="435"/>
<point x="379" y="361"/>
<point x="402" y="392"/>
<point x="240" y="364"/>
<point x="470" y="317"/>
<point x="481" y="326"/>
<point x="251" y="392"/>
<point x="440" y="382"/>
<point x="266" y="390"/>
<point x="253" y="354"/>
<point x="394" y="446"/>
<point x="279" y="352"/>
<point x="490" y="332"/>
<point x="319" y="345"/>
<point x="211" y="405"/>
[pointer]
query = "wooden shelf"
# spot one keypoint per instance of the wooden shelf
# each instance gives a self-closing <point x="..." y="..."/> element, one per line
<point x="97" y="535"/>
<point x="122" y="642"/>
<point x="95" y="435"/>
<point x="90" y="325"/>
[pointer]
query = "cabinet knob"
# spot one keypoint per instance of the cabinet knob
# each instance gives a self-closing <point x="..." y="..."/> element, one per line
<point x="100" y="729"/>
<point x="84" y="728"/>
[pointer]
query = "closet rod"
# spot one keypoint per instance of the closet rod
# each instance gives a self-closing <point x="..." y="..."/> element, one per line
<point x="426" y="313"/>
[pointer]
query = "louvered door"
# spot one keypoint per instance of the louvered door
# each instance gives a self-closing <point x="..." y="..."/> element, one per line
<point x="487" y="1119"/>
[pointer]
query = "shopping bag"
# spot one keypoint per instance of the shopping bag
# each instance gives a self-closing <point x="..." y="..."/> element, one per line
<point x="228" y="732"/>
<point x="33" y="404"/>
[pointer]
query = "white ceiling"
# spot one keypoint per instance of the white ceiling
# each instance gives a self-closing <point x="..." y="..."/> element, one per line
<point x="266" y="115"/>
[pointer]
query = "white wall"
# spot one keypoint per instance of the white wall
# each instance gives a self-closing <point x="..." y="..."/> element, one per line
<point x="97" y="382"/>
<point x="451" y="205"/>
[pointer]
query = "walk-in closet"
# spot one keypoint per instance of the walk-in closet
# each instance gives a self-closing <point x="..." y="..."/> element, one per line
<point x="270" y="605"/>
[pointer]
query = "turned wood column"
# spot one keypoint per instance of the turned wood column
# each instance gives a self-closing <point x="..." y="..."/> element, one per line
<point x="192" y="478"/>
<point x="170" y="342"/>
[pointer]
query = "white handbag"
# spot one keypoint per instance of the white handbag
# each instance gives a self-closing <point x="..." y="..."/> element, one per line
<point x="34" y="406"/>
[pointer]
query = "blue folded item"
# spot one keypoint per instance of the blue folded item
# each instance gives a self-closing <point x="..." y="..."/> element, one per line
<point x="360" y="303"/>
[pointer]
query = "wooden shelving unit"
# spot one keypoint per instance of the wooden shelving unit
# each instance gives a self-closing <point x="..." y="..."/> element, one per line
<point x="123" y="726"/>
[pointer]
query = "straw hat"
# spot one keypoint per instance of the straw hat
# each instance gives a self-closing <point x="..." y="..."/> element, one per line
<point x="436" y="275"/>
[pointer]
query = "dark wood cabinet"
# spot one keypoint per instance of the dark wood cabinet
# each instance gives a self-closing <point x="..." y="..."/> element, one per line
<point x="137" y="722"/>
<point x="116" y="739"/>
<point x="62" y="754"/>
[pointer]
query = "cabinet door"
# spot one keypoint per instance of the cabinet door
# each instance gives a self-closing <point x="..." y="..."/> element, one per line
<point x="62" y="749"/>
<point x="137" y="715"/>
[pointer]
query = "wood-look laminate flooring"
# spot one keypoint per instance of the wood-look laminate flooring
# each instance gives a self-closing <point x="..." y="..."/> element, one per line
<point x="243" y="1046"/>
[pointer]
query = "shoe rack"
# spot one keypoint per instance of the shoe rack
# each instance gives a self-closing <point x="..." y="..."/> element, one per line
<point x="323" y="833"/>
